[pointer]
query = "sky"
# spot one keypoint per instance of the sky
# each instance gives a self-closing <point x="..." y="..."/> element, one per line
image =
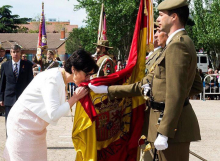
<point x="61" y="10"/>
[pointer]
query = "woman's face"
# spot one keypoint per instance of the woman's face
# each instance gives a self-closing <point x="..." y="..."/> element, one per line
<point x="81" y="76"/>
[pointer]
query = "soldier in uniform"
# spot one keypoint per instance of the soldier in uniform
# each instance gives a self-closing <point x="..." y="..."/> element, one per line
<point x="104" y="61"/>
<point x="159" y="43"/>
<point x="160" y="38"/>
<point x="2" y="60"/>
<point x="49" y="62"/>
<point x="175" y="77"/>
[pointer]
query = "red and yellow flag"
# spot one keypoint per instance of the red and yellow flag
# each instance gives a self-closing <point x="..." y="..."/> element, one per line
<point x="107" y="130"/>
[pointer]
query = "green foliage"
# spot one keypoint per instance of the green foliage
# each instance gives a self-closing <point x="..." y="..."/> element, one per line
<point x="74" y="43"/>
<point x="206" y="31"/>
<point x="8" y="21"/>
<point x="33" y="31"/>
<point x="22" y="30"/>
<point x="121" y="17"/>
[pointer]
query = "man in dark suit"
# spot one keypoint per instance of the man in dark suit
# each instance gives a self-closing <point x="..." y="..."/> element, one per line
<point x="2" y="60"/>
<point x="15" y="76"/>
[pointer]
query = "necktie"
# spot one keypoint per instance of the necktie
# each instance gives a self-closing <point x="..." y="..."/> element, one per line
<point x="16" y="71"/>
<point x="1" y="59"/>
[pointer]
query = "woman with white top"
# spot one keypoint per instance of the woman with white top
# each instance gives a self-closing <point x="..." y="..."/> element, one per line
<point x="44" y="102"/>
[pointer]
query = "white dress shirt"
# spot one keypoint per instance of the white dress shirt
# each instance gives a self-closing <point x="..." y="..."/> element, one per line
<point x="174" y="33"/>
<point x="45" y="96"/>
<point x="18" y="65"/>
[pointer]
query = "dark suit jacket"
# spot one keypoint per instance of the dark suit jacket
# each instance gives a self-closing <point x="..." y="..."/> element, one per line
<point x="10" y="88"/>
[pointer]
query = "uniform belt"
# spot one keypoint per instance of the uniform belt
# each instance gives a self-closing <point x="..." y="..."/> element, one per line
<point x="161" y="105"/>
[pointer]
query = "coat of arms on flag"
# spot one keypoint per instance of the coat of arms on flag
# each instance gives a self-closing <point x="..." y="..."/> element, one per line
<point x="107" y="130"/>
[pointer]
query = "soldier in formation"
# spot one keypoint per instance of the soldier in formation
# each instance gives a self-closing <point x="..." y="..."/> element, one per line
<point x="49" y="62"/>
<point x="103" y="60"/>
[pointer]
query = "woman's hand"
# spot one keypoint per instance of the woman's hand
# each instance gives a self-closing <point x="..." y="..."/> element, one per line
<point x="79" y="93"/>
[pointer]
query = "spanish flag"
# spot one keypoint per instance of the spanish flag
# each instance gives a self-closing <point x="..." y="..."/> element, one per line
<point x="107" y="130"/>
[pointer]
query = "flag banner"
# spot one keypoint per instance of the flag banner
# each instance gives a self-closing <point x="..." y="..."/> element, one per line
<point x="42" y="37"/>
<point x="102" y="25"/>
<point x="107" y="130"/>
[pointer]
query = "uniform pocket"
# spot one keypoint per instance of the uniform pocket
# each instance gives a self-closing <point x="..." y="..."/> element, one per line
<point x="160" y="68"/>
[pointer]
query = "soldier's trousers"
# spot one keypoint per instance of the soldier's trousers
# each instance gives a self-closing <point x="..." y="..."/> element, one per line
<point x="175" y="152"/>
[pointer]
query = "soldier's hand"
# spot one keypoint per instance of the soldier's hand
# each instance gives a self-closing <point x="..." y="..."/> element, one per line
<point x="146" y="88"/>
<point x="98" y="89"/>
<point x="161" y="142"/>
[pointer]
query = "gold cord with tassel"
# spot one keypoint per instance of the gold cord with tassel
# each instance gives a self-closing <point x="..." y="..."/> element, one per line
<point x="145" y="8"/>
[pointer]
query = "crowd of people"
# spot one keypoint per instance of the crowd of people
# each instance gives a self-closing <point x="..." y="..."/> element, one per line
<point x="212" y="82"/>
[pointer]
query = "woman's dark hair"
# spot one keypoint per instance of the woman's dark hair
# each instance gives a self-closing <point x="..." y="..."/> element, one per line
<point x="80" y="60"/>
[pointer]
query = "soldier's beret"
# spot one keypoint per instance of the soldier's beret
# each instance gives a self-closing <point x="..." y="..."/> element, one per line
<point x="171" y="4"/>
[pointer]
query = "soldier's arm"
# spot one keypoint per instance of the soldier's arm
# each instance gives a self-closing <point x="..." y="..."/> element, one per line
<point x="132" y="90"/>
<point x="177" y="64"/>
<point x="197" y="85"/>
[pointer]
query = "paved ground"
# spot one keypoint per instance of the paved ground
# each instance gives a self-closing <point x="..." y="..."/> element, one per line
<point x="60" y="147"/>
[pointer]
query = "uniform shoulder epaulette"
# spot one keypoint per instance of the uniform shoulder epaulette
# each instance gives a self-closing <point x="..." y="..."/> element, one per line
<point x="179" y="38"/>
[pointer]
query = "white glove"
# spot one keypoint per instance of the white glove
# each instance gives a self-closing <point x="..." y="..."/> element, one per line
<point x="161" y="142"/>
<point x="146" y="88"/>
<point x="98" y="89"/>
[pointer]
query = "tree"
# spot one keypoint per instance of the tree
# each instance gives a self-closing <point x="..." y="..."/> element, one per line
<point x="73" y="42"/>
<point x="206" y="31"/>
<point x="8" y="21"/>
<point x="121" y="16"/>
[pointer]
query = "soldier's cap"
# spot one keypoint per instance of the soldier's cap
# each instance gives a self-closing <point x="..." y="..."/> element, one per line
<point x="51" y="52"/>
<point x="171" y="4"/>
<point x="104" y="43"/>
<point x="156" y="25"/>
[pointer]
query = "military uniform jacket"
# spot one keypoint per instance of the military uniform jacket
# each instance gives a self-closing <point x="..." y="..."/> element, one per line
<point x="46" y="64"/>
<point x="106" y="65"/>
<point x="174" y="79"/>
<point x="151" y="60"/>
